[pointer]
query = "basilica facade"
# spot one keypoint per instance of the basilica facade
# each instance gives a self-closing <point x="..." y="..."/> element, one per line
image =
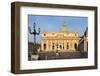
<point x="63" y="40"/>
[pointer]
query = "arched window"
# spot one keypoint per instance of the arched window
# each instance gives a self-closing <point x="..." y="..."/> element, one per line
<point x="44" y="46"/>
<point x="44" y="34"/>
<point x="53" y="46"/>
<point x="67" y="45"/>
<point x="63" y="45"/>
<point x="75" y="46"/>
<point x="60" y="47"/>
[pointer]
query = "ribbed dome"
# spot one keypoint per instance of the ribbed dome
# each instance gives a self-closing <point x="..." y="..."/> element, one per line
<point x="63" y="28"/>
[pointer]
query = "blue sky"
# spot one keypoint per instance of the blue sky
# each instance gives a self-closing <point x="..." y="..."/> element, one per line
<point x="53" y="24"/>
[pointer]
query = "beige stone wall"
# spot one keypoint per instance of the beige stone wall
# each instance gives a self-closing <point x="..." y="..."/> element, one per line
<point x="64" y="41"/>
<point x="59" y="41"/>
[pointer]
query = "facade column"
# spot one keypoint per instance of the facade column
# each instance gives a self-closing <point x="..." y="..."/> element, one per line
<point x="64" y="44"/>
<point x="55" y="45"/>
<point x="73" y="45"/>
<point x="51" y="45"/>
<point x="47" y="45"/>
<point x="68" y="45"/>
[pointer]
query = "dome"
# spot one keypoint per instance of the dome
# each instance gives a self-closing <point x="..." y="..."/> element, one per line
<point x="63" y="28"/>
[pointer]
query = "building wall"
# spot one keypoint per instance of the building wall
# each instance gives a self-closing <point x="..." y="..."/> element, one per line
<point x="59" y="41"/>
<point x="64" y="41"/>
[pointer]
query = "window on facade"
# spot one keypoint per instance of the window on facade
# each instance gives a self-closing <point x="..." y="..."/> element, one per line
<point x="44" y="34"/>
<point x="53" y="47"/>
<point x="75" y="46"/>
<point x="44" y="46"/>
<point x="63" y="47"/>
<point x="67" y="45"/>
<point x="60" y="47"/>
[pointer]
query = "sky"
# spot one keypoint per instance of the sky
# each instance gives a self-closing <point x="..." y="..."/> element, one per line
<point x="53" y="24"/>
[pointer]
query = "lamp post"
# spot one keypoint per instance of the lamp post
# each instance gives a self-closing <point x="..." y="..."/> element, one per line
<point x="34" y="32"/>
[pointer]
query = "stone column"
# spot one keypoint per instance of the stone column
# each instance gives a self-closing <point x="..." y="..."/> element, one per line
<point x="69" y="45"/>
<point x="73" y="43"/>
<point x="47" y="45"/>
<point x="55" y="45"/>
<point x="51" y="45"/>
